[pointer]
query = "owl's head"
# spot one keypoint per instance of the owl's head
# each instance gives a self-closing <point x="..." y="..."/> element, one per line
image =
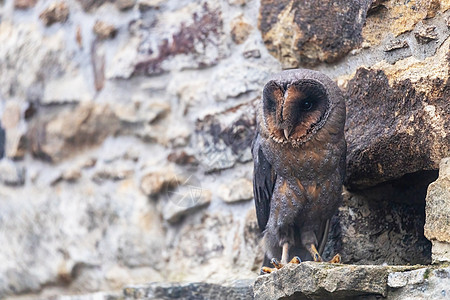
<point x="295" y="108"/>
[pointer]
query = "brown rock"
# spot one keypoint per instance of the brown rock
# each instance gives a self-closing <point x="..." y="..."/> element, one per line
<point x="125" y="4"/>
<point x="395" y="128"/>
<point x="92" y="4"/>
<point x="153" y="183"/>
<point x="437" y="225"/>
<point x="305" y="33"/>
<point x="433" y="8"/>
<point x="181" y="158"/>
<point x="57" y="12"/>
<point x="104" y="31"/>
<point x="24" y="4"/>
<point x="237" y="2"/>
<point x="60" y="137"/>
<point x="240" y="30"/>
<point x="395" y="17"/>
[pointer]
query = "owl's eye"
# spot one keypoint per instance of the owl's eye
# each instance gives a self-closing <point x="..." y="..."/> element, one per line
<point x="306" y="105"/>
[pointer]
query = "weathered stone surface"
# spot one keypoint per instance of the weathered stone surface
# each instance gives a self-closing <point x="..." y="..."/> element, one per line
<point x="24" y="4"/>
<point x="25" y="56"/>
<point x="223" y="139"/>
<point x="210" y="240"/>
<point x="84" y="223"/>
<point x="181" y="158"/>
<point x="240" y="30"/>
<point x="186" y="199"/>
<point x="198" y="290"/>
<point x="60" y="137"/>
<point x="234" y="81"/>
<point x="375" y="227"/>
<point x="125" y="4"/>
<point x="425" y="34"/>
<point x="92" y="4"/>
<point x="427" y="283"/>
<point x="155" y="182"/>
<point x="310" y="280"/>
<point x="13" y="144"/>
<point x="57" y="12"/>
<point x="394" y="17"/>
<point x="145" y="5"/>
<point x="395" y="128"/>
<point x="97" y="231"/>
<point x="437" y="225"/>
<point x="64" y="90"/>
<point x="11" y="173"/>
<point x="195" y="41"/>
<point x="238" y="190"/>
<point x="114" y="171"/>
<point x="104" y="30"/>
<point x="306" y="33"/>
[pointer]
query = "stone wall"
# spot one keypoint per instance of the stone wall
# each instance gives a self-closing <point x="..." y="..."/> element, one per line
<point x="126" y="125"/>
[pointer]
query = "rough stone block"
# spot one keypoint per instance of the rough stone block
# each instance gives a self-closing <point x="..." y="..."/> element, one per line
<point x="437" y="224"/>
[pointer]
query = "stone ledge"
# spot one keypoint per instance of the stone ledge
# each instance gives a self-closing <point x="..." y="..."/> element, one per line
<point x="308" y="280"/>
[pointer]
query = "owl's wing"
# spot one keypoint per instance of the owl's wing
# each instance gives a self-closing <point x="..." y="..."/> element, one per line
<point x="264" y="178"/>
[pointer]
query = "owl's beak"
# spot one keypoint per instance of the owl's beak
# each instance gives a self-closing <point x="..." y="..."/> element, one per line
<point x="287" y="133"/>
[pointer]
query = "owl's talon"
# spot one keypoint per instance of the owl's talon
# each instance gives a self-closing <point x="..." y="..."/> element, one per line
<point x="295" y="260"/>
<point x="336" y="259"/>
<point x="276" y="263"/>
<point x="267" y="270"/>
<point x="315" y="254"/>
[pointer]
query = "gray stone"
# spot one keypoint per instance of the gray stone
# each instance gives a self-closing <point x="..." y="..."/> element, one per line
<point x="196" y="40"/>
<point x="427" y="283"/>
<point x="238" y="190"/>
<point x="118" y="170"/>
<point x="425" y="34"/>
<point x="224" y="138"/>
<point x="58" y="138"/>
<point x="156" y="182"/>
<point x="310" y="280"/>
<point x="11" y="173"/>
<point x="184" y="200"/>
<point x="238" y="80"/>
<point x="198" y="290"/>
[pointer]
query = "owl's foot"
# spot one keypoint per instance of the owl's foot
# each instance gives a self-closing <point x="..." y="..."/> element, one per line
<point x="278" y="265"/>
<point x="336" y="259"/>
<point x="315" y="254"/>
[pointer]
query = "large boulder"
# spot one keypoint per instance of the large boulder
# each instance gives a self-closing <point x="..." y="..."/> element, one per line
<point x="308" y="32"/>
